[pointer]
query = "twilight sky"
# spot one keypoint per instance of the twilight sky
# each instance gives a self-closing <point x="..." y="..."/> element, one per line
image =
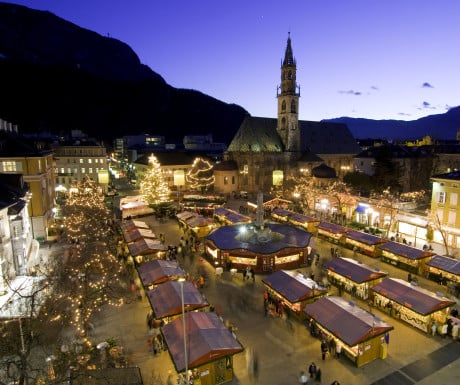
<point x="378" y="59"/>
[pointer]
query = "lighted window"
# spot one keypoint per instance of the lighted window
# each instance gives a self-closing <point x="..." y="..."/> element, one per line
<point x="225" y="179"/>
<point x="83" y="170"/>
<point x="62" y="170"/>
<point x="90" y="161"/>
<point x="81" y="160"/>
<point x="90" y="170"/>
<point x="11" y="166"/>
<point x="453" y="199"/>
<point x="442" y="197"/>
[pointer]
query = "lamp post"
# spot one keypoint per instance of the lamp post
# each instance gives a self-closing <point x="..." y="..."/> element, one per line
<point x="181" y="282"/>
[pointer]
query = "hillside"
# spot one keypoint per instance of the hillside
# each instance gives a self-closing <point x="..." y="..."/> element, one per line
<point x="57" y="76"/>
<point x="440" y="126"/>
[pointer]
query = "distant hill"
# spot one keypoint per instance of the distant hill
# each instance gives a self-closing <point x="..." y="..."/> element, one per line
<point x="56" y="76"/>
<point x="440" y="126"/>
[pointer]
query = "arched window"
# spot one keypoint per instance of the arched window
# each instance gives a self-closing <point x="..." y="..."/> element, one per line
<point x="283" y="105"/>
<point x="283" y="123"/>
<point x="289" y="75"/>
<point x="293" y="109"/>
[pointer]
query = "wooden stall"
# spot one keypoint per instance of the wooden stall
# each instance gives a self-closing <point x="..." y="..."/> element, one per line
<point x="145" y="249"/>
<point x="404" y="257"/>
<point x="210" y="347"/>
<point x="196" y="223"/>
<point x="166" y="299"/>
<point x="154" y="272"/>
<point x="412" y="304"/>
<point x="353" y="277"/>
<point x="292" y="290"/>
<point x="305" y="221"/>
<point x="362" y="242"/>
<point x="226" y="216"/>
<point x="363" y="342"/>
<point x="446" y="271"/>
<point x="331" y="231"/>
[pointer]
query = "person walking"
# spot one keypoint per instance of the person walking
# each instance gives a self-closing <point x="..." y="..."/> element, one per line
<point x="324" y="349"/>
<point x="338" y="349"/>
<point x="318" y="375"/>
<point x="312" y="370"/>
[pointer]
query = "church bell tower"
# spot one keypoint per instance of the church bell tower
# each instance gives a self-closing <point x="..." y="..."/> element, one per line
<point x="288" y="94"/>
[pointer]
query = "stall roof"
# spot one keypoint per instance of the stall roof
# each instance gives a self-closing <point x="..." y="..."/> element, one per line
<point x="359" y="236"/>
<point x="208" y="339"/>
<point x="112" y="376"/>
<point x="134" y="234"/>
<point x="198" y="221"/>
<point x="302" y="218"/>
<point x="140" y="224"/>
<point x="407" y="294"/>
<point x="166" y="299"/>
<point x="293" y="286"/>
<point x="184" y="215"/>
<point x="283" y="236"/>
<point x="237" y="218"/>
<point x="145" y="246"/>
<point x="354" y="270"/>
<point x="281" y="212"/>
<point x="158" y="271"/>
<point x="405" y="250"/>
<point x="447" y="264"/>
<point x="345" y="320"/>
<point x="332" y="228"/>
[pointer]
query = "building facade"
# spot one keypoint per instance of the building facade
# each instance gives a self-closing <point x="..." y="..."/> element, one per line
<point x="267" y="151"/>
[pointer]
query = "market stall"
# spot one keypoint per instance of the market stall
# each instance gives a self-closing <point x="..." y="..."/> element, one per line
<point x="229" y="217"/>
<point x="199" y="225"/>
<point x="412" y="304"/>
<point x="145" y="249"/>
<point x="291" y="290"/>
<point x="166" y="299"/>
<point x="362" y="335"/>
<point x="305" y="221"/>
<point x="362" y="242"/>
<point x="331" y="231"/>
<point x="353" y="277"/>
<point x="404" y="257"/>
<point x="444" y="270"/>
<point x="157" y="271"/>
<point x="281" y="215"/>
<point x="209" y="344"/>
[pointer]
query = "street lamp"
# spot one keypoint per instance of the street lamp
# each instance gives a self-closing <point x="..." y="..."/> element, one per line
<point x="181" y="283"/>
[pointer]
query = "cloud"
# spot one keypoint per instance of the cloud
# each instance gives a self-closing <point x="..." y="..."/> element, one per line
<point x="426" y="106"/>
<point x="375" y="88"/>
<point x="404" y="114"/>
<point x="350" y="92"/>
<point x="427" y="85"/>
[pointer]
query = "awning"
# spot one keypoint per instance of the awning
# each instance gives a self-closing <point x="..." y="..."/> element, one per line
<point x="361" y="208"/>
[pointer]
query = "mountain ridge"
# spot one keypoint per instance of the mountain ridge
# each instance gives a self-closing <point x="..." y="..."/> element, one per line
<point x="57" y="76"/>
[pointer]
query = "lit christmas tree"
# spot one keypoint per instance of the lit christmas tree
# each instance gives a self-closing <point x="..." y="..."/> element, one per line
<point x="154" y="188"/>
<point x="201" y="175"/>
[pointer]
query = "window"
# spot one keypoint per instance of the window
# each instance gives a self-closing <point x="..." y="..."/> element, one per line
<point x="233" y="179"/>
<point x="283" y="106"/>
<point x="90" y="170"/>
<point x="83" y="170"/>
<point x="293" y="107"/>
<point x="452" y="217"/>
<point x="69" y="170"/>
<point x="11" y="166"/>
<point x="90" y="161"/>
<point x="62" y="170"/>
<point x="441" y="197"/>
<point x="453" y="199"/>
<point x="81" y="160"/>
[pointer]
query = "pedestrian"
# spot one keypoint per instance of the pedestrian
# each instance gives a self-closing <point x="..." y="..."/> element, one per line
<point x="409" y="277"/>
<point x="332" y="346"/>
<point x="312" y="370"/>
<point x="318" y="375"/>
<point x="303" y="379"/>
<point x="434" y="328"/>
<point x="150" y="345"/>
<point x="324" y="349"/>
<point x="338" y="349"/>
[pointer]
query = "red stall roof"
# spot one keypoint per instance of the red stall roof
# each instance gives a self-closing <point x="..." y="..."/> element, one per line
<point x="359" y="236"/>
<point x="208" y="339"/>
<point x="447" y="264"/>
<point x="332" y="228"/>
<point x="145" y="246"/>
<point x="158" y="271"/>
<point x="354" y="270"/>
<point x="407" y="294"/>
<point x="293" y="286"/>
<point x="345" y="320"/>
<point x="166" y="299"/>
<point x="405" y="251"/>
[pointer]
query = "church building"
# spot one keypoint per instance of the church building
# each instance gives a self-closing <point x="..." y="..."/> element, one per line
<point x="265" y="151"/>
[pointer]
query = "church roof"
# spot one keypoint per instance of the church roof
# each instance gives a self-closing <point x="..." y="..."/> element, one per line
<point x="324" y="171"/>
<point x="258" y="134"/>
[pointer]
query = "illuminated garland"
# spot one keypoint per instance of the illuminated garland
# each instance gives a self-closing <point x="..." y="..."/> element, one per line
<point x="201" y="175"/>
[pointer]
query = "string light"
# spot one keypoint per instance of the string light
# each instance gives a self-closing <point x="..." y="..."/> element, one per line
<point x="201" y="175"/>
<point x="153" y="187"/>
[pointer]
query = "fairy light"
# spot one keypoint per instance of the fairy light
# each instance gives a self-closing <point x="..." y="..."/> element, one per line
<point x="201" y="175"/>
<point x="153" y="187"/>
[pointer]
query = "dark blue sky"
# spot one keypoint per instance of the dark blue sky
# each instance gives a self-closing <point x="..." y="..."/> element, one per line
<point x="379" y="59"/>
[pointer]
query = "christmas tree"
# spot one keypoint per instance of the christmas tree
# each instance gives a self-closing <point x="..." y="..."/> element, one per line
<point x="200" y="176"/>
<point x="154" y="188"/>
